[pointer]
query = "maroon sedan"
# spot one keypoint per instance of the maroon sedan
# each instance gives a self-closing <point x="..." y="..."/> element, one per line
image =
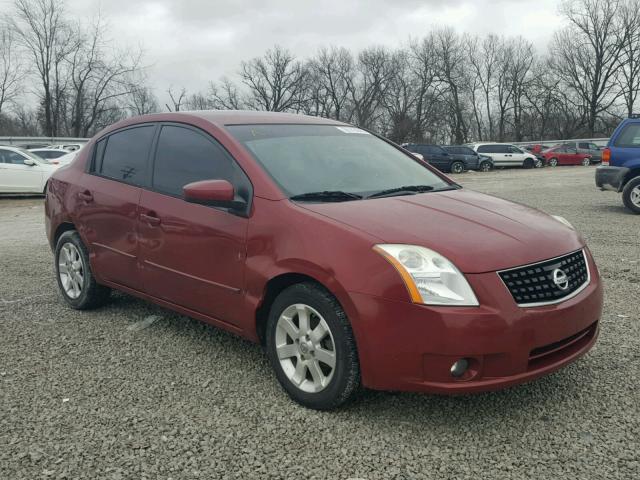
<point x="565" y="155"/>
<point x="353" y="262"/>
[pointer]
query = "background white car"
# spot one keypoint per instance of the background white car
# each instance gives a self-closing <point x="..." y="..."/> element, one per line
<point x="507" y="155"/>
<point x="23" y="172"/>
<point x="50" y="154"/>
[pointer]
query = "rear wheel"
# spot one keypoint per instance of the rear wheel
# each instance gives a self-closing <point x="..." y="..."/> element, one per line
<point x="457" y="167"/>
<point x="553" y="162"/>
<point x="631" y="195"/>
<point x="485" y="166"/>
<point x="75" y="279"/>
<point x="586" y="162"/>
<point x="311" y="347"/>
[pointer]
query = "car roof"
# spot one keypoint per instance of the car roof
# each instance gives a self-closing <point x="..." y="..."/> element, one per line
<point x="44" y="150"/>
<point x="241" y="117"/>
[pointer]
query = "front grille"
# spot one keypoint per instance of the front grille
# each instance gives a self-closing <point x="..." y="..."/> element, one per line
<point x="534" y="284"/>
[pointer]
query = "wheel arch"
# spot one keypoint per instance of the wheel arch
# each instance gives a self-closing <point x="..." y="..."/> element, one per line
<point x="631" y="174"/>
<point x="62" y="228"/>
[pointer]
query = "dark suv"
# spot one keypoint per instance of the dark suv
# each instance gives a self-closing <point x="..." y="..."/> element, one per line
<point x="472" y="159"/>
<point x="620" y="169"/>
<point x="438" y="157"/>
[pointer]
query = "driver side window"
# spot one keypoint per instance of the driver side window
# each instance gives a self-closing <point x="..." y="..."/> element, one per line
<point x="184" y="156"/>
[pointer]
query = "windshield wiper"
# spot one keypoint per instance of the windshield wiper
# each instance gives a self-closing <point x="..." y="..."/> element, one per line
<point x="327" y="196"/>
<point x="406" y="190"/>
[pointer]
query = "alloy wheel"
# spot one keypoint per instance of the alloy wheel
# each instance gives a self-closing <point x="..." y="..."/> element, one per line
<point x="305" y="348"/>
<point x="485" y="166"/>
<point x="635" y="196"/>
<point x="553" y="162"/>
<point x="586" y="162"/>
<point x="71" y="270"/>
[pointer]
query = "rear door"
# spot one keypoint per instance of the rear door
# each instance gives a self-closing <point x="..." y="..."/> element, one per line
<point x="16" y="176"/>
<point x="438" y="157"/>
<point x="107" y="203"/>
<point x="193" y="255"/>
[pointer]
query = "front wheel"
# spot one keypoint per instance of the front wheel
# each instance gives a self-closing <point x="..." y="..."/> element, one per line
<point x="553" y="162"/>
<point x="631" y="195"/>
<point x="586" y="162"/>
<point x="539" y="163"/>
<point x="528" y="163"/>
<point x="485" y="166"/>
<point x="75" y="279"/>
<point x="457" y="167"/>
<point x="311" y="347"/>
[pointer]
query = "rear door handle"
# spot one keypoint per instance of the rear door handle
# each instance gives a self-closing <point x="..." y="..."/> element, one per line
<point x="85" y="196"/>
<point x="150" y="219"/>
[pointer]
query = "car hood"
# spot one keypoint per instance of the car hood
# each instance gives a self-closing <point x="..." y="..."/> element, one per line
<point x="478" y="232"/>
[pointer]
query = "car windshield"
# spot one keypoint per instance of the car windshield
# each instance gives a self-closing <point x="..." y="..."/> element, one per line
<point x="304" y="159"/>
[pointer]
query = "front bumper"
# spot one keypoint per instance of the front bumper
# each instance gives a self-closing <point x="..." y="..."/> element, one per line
<point x="411" y="347"/>
<point x="610" y="178"/>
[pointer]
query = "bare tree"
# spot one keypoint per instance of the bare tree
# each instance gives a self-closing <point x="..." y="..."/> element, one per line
<point x="11" y="70"/>
<point x="177" y="99"/>
<point x="142" y="101"/>
<point x="275" y="81"/>
<point x="587" y="54"/>
<point x="368" y="86"/>
<point x="629" y="77"/>
<point x="48" y="39"/>
<point x="452" y="72"/>
<point x="225" y="95"/>
<point x="333" y="69"/>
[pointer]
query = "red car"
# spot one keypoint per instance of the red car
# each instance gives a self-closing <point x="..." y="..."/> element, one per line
<point x="565" y="155"/>
<point x="353" y="262"/>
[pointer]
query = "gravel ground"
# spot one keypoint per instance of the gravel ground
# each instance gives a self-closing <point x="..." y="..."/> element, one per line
<point x="135" y="391"/>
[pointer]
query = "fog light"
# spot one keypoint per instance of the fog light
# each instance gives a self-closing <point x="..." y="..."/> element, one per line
<point x="459" y="368"/>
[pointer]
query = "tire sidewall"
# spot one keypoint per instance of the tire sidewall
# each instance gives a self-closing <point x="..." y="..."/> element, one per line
<point x="74" y="238"/>
<point x="334" y="393"/>
<point x="457" y="167"/>
<point x="553" y="162"/>
<point x="626" y="195"/>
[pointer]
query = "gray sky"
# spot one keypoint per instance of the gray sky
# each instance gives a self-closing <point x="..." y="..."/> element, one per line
<point x="189" y="42"/>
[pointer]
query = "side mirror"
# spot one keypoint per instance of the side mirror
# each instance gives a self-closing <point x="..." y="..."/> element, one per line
<point x="30" y="162"/>
<point x="215" y="193"/>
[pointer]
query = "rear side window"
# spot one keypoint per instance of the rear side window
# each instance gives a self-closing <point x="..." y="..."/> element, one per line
<point x="125" y="155"/>
<point x="184" y="156"/>
<point x="492" y="149"/>
<point x="629" y="136"/>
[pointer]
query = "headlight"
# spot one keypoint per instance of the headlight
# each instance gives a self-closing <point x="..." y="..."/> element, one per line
<point x="563" y="220"/>
<point x="430" y="278"/>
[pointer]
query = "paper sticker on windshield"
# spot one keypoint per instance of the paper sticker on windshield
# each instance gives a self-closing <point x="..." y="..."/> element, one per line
<point x="352" y="130"/>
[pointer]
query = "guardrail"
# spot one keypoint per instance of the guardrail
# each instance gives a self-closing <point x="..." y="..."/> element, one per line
<point x="48" y="140"/>
<point x="601" y="142"/>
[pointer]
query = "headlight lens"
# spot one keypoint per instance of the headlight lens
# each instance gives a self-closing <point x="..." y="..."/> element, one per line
<point x="563" y="220"/>
<point x="430" y="278"/>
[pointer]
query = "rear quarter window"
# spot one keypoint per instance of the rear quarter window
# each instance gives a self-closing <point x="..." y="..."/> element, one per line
<point x="629" y="137"/>
<point x="126" y="155"/>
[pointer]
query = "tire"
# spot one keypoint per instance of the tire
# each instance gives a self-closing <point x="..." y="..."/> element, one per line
<point x="485" y="166"/>
<point x="457" y="167"/>
<point x="631" y="195"/>
<point x="528" y="163"/>
<point x="539" y="163"/>
<point x="329" y="387"/>
<point x="79" y="288"/>
<point x="586" y="162"/>
<point x="553" y="162"/>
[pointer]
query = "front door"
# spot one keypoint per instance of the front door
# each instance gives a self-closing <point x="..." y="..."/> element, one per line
<point x="192" y="255"/>
<point x="107" y="204"/>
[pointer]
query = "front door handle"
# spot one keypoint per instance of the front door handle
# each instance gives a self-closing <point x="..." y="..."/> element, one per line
<point x="85" y="196"/>
<point x="150" y="219"/>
